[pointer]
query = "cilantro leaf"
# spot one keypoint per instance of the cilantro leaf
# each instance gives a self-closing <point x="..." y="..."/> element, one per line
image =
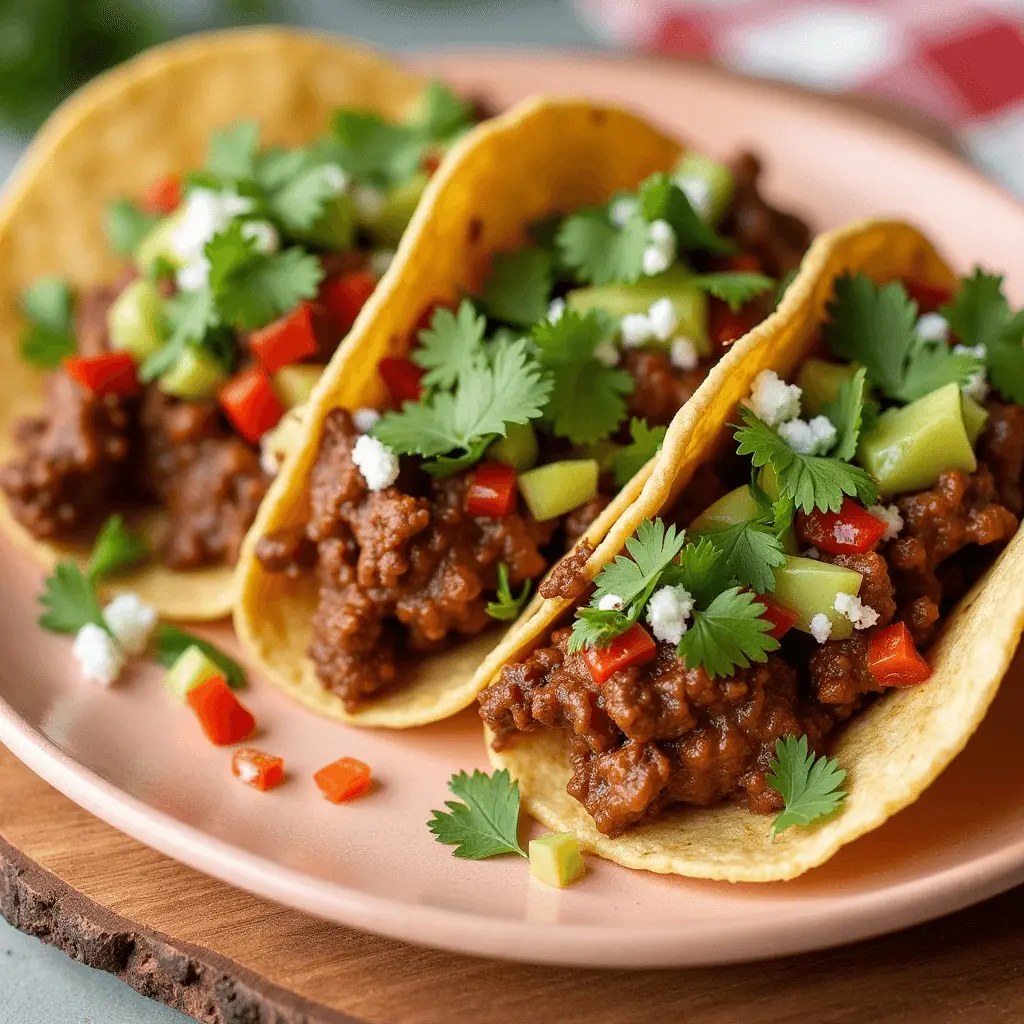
<point x="440" y="113"/>
<point x="736" y="288"/>
<point x="701" y="569"/>
<point x="598" y="627"/>
<point x="931" y="364"/>
<point x="189" y="316"/>
<point x="652" y="550"/>
<point x="663" y="199"/>
<point x="587" y="398"/>
<point x="598" y="252"/>
<point x="116" y="548"/>
<point x="847" y="415"/>
<point x="301" y="198"/>
<point x="810" y="785"/>
<point x="749" y="550"/>
<point x="812" y="481"/>
<point x="170" y="643"/>
<point x="125" y="226"/>
<point x="518" y="290"/>
<point x="627" y="461"/>
<point x="729" y="633"/>
<point x="452" y="344"/>
<point x="232" y="154"/>
<point x="375" y="150"/>
<point x="507" y="607"/>
<point x="44" y="348"/>
<point x="69" y="601"/>
<point x="48" y="336"/>
<point x="486" y="823"/>
<point x="1005" y="362"/>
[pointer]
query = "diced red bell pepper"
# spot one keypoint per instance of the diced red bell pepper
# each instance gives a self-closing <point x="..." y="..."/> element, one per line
<point x="251" y="404"/>
<point x="727" y="326"/>
<point x="893" y="658"/>
<point x="346" y="295"/>
<point x="634" y="647"/>
<point x="163" y="196"/>
<point x="928" y="297"/>
<point x="402" y="377"/>
<point x="110" y="373"/>
<point x="285" y="341"/>
<point x="492" y="491"/>
<point x="221" y="715"/>
<point x="850" y="531"/>
<point x="343" y="780"/>
<point x="783" y="619"/>
<point x="745" y="262"/>
<point x="256" y="769"/>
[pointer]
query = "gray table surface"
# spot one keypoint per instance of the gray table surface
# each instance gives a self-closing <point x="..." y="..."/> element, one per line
<point x="38" y="984"/>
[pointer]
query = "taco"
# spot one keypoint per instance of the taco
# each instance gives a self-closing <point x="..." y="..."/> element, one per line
<point x="819" y="589"/>
<point x="188" y="240"/>
<point x="573" y="279"/>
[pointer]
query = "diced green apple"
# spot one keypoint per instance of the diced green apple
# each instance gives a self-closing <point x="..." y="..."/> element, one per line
<point x="820" y="381"/>
<point x="134" y="320"/>
<point x="809" y="587"/>
<point x="195" y="374"/>
<point x="156" y="245"/>
<point x="336" y="228"/>
<point x="737" y="506"/>
<point x="975" y="418"/>
<point x="558" y="487"/>
<point x="388" y="225"/>
<point x="294" y="384"/>
<point x="192" y="669"/>
<point x="555" y="859"/>
<point x="715" y="175"/>
<point x="518" y="448"/>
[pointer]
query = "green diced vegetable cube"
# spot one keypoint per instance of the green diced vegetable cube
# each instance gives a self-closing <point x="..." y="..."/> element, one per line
<point x="294" y="384"/>
<point x="518" y="448"/>
<point x="975" y="418"/>
<point x="809" y="587"/>
<point x="192" y="669"/>
<point x="156" y="245"/>
<point x="555" y="859"/>
<point x="737" y="506"/>
<point x="697" y="167"/>
<point x="558" y="487"/>
<point x="388" y="225"/>
<point x="134" y="320"/>
<point x="821" y="381"/>
<point x="195" y="374"/>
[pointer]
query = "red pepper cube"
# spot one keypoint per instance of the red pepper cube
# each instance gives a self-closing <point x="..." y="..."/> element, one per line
<point x="251" y="404"/>
<point x="492" y="491"/>
<point x="163" y="196"/>
<point x="893" y="658"/>
<point x="402" y="377"/>
<point x="285" y="341"/>
<point x="783" y="619"/>
<point x="256" y="769"/>
<point x="929" y="297"/>
<point x="634" y="647"/>
<point x="221" y="715"/>
<point x="346" y="295"/>
<point x="111" y="373"/>
<point x="850" y="531"/>
<point x="343" y="780"/>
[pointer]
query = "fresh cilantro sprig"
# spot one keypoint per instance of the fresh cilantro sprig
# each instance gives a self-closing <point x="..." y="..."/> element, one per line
<point x="169" y="643"/>
<point x="48" y="335"/>
<point x="597" y="251"/>
<point x="440" y="114"/>
<point x="848" y="414"/>
<point x="811" y="786"/>
<point x="749" y="551"/>
<point x="484" y="820"/>
<point x="874" y="325"/>
<point x="450" y="346"/>
<point x="508" y="606"/>
<point x="518" y="290"/>
<point x="735" y="288"/>
<point x="117" y="548"/>
<point x="625" y="462"/>
<point x="125" y="225"/>
<point x="812" y="481"/>
<point x="662" y="199"/>
<point x="729" y="633"/>
<point x="587" y="401"/>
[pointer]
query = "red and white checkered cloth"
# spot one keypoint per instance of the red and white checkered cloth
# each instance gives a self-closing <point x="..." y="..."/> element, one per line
<point x="962" y="61"/>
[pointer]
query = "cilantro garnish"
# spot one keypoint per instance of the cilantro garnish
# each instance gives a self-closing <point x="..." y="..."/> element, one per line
<point x="663" y="199"/>
<point x="232" y="154"/>
<point x="486" y="822"/>
<point x="518" y="290"/>
<point x="376" y="150"/>
<point x="736" y="288"/>
<point x="170" y="643"/>
<point x="874" y="325"/>
<point x="507" y="606"/>
<point x="440" y="113"/>
<point x="980" y="315"/>
<point x="510" y="387"/>
<point x="812" y="481"/>
<point x="625" y="462"/>
<point x="587" y="400"/>
<point x="49" y="335"/>
<point x="116" y="549"/>
<point x="300" y="198"/>
<point x="598" y="252"/>
<point x="810" y="785"/>
<point x="749" y="551"/>
<point x="847" y="414"/>
<point x="451" y="345"/>
<point x="125" y="226"/>
<point x="69" y="601"/>
<point x="730" y="632"/>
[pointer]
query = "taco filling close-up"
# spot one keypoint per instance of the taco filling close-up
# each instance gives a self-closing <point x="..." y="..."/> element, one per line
<point x="512" y="419"/>
<point x="806" y="568"/>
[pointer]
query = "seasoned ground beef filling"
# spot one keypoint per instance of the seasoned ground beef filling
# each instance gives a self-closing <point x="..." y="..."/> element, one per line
<point x="656" y="735"/>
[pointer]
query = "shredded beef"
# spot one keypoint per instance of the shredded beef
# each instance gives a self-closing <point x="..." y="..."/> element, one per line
<point x="566" y="579"/>
<point x="660" y="390"/>
<point x="288" y="551"/>
<point x="1001" y="448"/>
<point x="579" y="520"/>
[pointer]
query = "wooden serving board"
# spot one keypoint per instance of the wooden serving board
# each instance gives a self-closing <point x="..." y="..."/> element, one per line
<point x="224" y="956"/>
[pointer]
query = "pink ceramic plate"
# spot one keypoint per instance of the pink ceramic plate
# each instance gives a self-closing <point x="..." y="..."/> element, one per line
<point x="139" y="762"/>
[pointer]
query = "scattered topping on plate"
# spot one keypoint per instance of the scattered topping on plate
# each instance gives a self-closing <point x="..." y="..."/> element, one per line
<point x="555" y="859"/>
<point x="344" y="779"/>
<point x="811" y="786"/>
<point x="222" y="716"/>
<point x="257" y="769"/>
<point x="484" y="820"/>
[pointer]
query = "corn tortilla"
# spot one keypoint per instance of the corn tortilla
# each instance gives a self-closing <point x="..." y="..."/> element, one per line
<point x="892" y="751"/>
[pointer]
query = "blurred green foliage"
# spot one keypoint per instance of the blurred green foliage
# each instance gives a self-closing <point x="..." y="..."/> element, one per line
<point x="48" y="48"/>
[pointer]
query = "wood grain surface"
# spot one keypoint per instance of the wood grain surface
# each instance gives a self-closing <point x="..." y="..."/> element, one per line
<point x="224" y="956"/>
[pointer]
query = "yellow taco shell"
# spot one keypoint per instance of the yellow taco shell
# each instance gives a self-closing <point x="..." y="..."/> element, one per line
<point x="892" y="751"/>
<point x="135" y="124"/>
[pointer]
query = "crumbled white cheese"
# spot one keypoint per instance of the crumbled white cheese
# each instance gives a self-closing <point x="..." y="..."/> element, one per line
<point x="668" y="613"/>
<point x="863" y="616"/>
<point x="365" y="420"/>
<point x="698" y="191"/>
<point x="334" y="178"/>
<point x="263" y="233"/>
<point x="890" y="515"/>
<point x="247" y="771"/>
<point x="662" y="233"/>
<point x="622" y="209"/>
<point x="684" y="354"/>
<point x="132" y="622"/>
<point x="636" y="330"/>
<point x="204" y="213"/>
<point x="773" y="400"/>
<point x="661" y="248"/>
<point x="607" y="353"/>
<point x="193" y="276"/>
<point x="369" y="201"/>
<point x="844" y="533"/>
<point x="977" y="387"/>
<point x="610" y="603"/>
<point x="812" y="552"/>
<point x="376" y="461"/>
<point x="100" y="658"/>
<point x="381" y="260"/>
<point x="821" y="627"/>
<point x="809" y="438"/>
<point x="556" y="310"/>
<point x="932" y="327"/>
<point x="664" y="318"/>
